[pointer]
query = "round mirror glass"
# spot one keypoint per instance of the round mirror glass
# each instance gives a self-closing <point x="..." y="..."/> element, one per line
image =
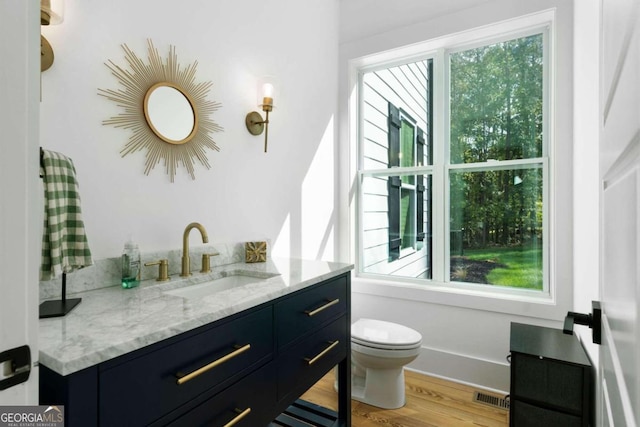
<point x="169" y="113"/>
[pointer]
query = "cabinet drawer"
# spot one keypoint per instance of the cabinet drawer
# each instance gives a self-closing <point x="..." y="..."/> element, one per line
<point x="300" y="366"/>
<point x="249" y="401"/>
<point x="146" y="387"/>
<point x="308" y="310"/>
<point x="525" y="415"/>
<point x="548" y="382"/>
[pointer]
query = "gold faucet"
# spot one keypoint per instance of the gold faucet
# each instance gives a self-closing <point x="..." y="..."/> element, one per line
<point x="186" y="261"/>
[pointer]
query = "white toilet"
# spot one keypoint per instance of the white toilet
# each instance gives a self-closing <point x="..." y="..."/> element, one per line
<point x="379" y="351"/>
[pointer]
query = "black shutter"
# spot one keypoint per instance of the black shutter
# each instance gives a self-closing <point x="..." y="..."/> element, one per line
<point x="420" y="187"/>
<point x="393" y="184"/>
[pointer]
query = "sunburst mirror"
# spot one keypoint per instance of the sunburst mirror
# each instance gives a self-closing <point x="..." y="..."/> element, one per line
<point x="166" y="110"/>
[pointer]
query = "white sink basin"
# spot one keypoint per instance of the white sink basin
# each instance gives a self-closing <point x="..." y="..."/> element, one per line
<point x="203" y="289"/>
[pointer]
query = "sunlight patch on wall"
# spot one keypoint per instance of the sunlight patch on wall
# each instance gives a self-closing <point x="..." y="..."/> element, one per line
<point x="282" y="244"/>
<point x="318" y="200"/>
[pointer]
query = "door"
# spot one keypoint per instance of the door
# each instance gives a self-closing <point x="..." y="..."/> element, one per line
<point x="619" y="374"/>
<point x="20" y="190"/>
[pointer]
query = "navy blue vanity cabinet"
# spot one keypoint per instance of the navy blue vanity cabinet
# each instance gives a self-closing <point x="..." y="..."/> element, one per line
<point x="245" y="369"/>
<point x="145" y="384"/>
<point x="551" y="379"/>
<point x="312" y="331"/>
<point x="300" y="366"/>
<point x="247" y="403"/>
<point x="309" y="309"/>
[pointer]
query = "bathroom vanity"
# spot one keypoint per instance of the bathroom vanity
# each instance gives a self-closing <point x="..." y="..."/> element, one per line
<point x="241" y="356"/>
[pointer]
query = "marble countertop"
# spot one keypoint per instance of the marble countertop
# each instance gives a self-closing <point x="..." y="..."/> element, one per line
<point x="110" y="322"/>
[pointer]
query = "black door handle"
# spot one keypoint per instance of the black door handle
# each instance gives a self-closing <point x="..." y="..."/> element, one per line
<point x="592" y="320"/>
<point x="20" y="358"/>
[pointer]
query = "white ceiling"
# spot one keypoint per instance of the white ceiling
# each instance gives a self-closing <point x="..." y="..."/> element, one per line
<point x="363" y="18"/>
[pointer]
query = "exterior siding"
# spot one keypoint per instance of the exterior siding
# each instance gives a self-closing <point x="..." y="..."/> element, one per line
<point x="404" y="86"/>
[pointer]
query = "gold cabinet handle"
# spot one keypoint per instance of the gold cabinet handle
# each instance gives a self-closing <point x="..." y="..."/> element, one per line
<point x="241" y="415"/>
<point x="322" y="353"/>
<point x="319" y="309"/>
<point x="184" y="378"/>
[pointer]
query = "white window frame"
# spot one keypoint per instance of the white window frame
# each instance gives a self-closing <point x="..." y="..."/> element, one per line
<point x="547" y="304"/>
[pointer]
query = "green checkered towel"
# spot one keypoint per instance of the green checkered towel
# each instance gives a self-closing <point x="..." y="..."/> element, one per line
<point x="64" y="242"/>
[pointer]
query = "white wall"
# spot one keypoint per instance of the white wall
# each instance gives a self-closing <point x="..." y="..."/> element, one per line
<point x="364" y="18"/>
<point x="586" y="164"/>
<point x="286" y="195"/>
<point x="464" y="337"/>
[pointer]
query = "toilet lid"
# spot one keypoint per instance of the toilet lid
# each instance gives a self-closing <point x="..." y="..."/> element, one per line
<point x="381" y="334"/>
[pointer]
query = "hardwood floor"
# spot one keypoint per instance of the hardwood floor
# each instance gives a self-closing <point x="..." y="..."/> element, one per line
<point x="430" y="402"/>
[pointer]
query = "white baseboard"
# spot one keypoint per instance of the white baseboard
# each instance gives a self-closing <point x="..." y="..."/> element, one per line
<point x="485" y="374"/>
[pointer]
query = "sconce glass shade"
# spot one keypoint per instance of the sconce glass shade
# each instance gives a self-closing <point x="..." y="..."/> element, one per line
<point x="267" y="90"/>
<point x="267" y="93"/>
<point x="51" y="12"/>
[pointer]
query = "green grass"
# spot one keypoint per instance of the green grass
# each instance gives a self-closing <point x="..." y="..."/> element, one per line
<point x="523" y="266"/>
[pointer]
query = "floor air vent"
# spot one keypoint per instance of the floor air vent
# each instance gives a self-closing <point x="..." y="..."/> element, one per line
<point x="491" y="400"/>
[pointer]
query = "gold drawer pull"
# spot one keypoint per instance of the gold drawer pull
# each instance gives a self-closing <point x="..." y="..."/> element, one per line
<point x="192" y="375"/>
<point x="325" y="351"/>
<point x="319" y="309"/>
<point x="241" y="415"/>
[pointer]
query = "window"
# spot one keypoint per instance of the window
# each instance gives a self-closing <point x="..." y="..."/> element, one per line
<point x="462" y="201"/>
<point x="395" y="196"/>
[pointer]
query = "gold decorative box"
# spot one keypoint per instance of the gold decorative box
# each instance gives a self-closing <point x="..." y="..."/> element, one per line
<point x="255" y="251"/>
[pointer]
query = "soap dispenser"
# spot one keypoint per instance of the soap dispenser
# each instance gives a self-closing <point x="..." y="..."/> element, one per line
<point x="130" y="265"/>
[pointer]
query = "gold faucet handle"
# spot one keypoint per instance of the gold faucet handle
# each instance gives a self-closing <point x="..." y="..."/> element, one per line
<point x="206" y="262"/>
<point x="163" y="269"/>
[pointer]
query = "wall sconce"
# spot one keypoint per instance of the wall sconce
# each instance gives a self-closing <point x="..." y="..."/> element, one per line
<point x="254" y="122"/>
<point x="51" y="13"/>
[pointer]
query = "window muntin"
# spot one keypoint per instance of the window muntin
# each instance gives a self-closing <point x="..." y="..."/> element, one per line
<point x="504" y="155"/>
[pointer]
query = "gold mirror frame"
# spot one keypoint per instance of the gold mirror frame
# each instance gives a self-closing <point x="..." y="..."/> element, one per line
<point x="138" y="83"/>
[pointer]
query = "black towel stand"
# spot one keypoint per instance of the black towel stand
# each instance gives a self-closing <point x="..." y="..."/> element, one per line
<point x="61" y="307"/>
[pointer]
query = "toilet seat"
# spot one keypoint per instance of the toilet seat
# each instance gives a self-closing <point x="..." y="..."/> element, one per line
<point x="385" y="353"/>
<point x="378" y="334"/>
<point x="384" y="346"/>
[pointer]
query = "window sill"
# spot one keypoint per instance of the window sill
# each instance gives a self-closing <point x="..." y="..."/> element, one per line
<point x="515" y="302"/>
